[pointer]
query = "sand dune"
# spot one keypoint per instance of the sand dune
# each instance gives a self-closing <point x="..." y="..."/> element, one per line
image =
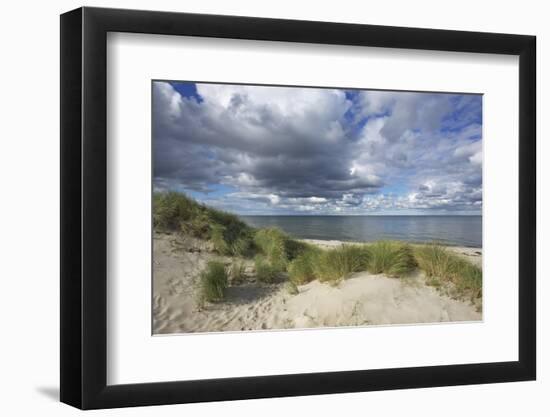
<point x="362" y="299"/>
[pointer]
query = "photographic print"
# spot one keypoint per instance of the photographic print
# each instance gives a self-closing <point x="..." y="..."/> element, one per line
<point x="283" y="207"/>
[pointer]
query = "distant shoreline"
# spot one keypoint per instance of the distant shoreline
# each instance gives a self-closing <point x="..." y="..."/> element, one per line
<point x="456" y="230"/>
<point x="359" y="215"/>
<point x="336" y="242"/>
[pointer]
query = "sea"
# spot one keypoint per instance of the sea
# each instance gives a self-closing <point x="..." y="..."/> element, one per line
<point x="446" y="230"/>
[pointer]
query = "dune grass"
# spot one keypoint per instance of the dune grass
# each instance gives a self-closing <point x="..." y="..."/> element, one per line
<point x="301" y="269"/>
<point x="176" y="212"/>
<point x="275" y="252"/>
<point x="218" y="240"/>
<point x="291" y="288"/>
<point x="170" y="209"/>
<point x="242" y="246"/>
<point x="213" y="282"/>
<point x="391" y="258"/>
<point x="236" y="271"/>
<point x="271" y="242"/>
<point x="337" y="264"/>
<point x="265" y="271"/>
<point x="443" y="267"/>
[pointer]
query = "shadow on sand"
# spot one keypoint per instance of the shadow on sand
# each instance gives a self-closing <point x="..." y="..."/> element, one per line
<point x="248" y="293"/>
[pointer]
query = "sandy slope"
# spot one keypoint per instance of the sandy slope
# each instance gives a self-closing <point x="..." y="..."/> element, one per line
<point x="363" y="299"/>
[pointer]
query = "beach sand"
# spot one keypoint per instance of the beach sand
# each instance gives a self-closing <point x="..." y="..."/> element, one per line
<point x="362" y="299"/>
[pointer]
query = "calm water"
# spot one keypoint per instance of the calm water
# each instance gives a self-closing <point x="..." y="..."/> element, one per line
<point x="450" y="230"/>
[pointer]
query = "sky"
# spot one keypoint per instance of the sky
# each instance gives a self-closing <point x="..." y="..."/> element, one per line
<point x="270" y="150"/>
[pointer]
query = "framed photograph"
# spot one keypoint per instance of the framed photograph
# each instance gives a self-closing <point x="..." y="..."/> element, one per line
<point x="258" y="208"/>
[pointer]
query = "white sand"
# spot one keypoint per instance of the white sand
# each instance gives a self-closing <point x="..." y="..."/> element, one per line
<point x="362" y="299"/>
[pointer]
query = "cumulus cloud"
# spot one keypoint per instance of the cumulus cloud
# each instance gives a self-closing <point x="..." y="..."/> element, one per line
<point x="260" y="149"/>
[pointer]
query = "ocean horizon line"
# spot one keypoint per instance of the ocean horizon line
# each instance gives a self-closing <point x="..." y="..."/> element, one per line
<point x="460" y="230"/>
<point x="358" y="215"/>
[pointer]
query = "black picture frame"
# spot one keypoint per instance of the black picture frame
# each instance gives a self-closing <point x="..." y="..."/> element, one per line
<point x="84" y="207"/>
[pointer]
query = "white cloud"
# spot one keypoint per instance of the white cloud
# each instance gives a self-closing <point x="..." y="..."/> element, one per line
<point x="318" y="150"/>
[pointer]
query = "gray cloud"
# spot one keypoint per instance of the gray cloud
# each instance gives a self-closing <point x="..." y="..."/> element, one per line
<point x="318" y="150"/>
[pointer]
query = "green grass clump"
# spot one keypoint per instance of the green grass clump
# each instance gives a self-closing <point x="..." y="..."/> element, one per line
<point x="331" y="265"/>
<point x="213" y="282"/>
<point x="291" y="288"/>
<point x="294" y="248"/>
<point x="242" y="246"/>
<point x="337" y="264"/>
<point x="276" y="251"/>
<point x="176" y="212"/>
<point x="394" y="259"/>
<point x="265" y="271"/>
<point x="170" y="209"/>
<point x="278" y="247"/>
<point x="271" y="242"/>
<point x="236" y="272"/>
<point x="237" y="234"/>
<point x="198" y="225"/>
<point x="470" y="281"/>
<point x="441" y="266"/>
<point x="301" y="269"/>
<point x="218" y="240"/>
<point x="436" y="261"/>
